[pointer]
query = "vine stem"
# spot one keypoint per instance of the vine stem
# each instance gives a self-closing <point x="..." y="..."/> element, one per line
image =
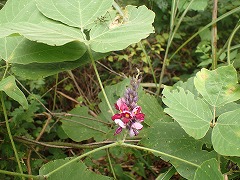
<point x="22" y="175"/>
<point x="99" y="79"/>
<point x="119" y="143"/>
<point x="214" y="35"/>
<point x="158" y="152"/>
<point x="80" y="157"/>
<point x="110" y="163"/>
<point x="10" y="134"/>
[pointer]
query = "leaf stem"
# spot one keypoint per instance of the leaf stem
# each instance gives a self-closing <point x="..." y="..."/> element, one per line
<point x="229" y="44"/>
<point x="22" y="175"/>
<point x="214" y="35"/>
<point x="80" y="157"/>
<point x="171" y="36"/>
<point x="158" y="152"/>
<point x="99" y="79"/>
<point x="10" y="134"/>
<point x="110" y="163"/>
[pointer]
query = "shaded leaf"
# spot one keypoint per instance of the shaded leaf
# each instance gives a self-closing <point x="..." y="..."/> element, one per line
<point x="218" y="87"/>
<point x="192" y="114"/>
<point x="81" y="126"/>
<point x="209" y="170"/>
<point x="72" y="171"/>
<point x="41" y="70"/>
<point x="8" y="85"/>
<point x="151" y="108"/>
<point x="171" y="139"/>
<point x="76" y="13"/>
<point x="22" y="51"/>
<point x="226" y="134"/>
<point x="167" y="175"/>
<point x="111" y="38"/>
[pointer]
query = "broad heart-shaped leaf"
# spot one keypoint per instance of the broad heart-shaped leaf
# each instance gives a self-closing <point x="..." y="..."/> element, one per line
<point x="192" y="114"/>
<point x="22" y="51"/>
<point x="76" y="13"/>
<point x="8" y="85"/>
<point x="218" y="87"/>
<point x="226" y="134"/>
<point x="41" y="70"/>
<point x="171" y="139"/>
<point x="209" y="170"/>
<point x="82" y="126"/>
<point x="74" y="171"/>
<point x="138" y="26"/>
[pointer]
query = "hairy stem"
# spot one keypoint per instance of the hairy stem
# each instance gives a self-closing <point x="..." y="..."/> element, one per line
<point x="214" y="35"/>
<point x="21" y="175"/>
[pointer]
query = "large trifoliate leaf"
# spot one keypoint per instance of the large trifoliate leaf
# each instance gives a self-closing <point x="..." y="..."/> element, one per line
<point x="226" y="134"/>
<point x="218" y="87"/>
<point x="171" y="139"/>
<point x="193" y="115"/>
<point x="115" y="34"/>
<point x="209" y="170"/>
<point x="81" y="126"/>
<point x="22" y="51"/>
<point x="73" y="171"/>
<point x="76" y="13"/>
<point x="8" y="85"/>
<point x="41" y="70"/>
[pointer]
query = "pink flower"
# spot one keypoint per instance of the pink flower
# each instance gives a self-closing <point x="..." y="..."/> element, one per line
<point x="134" y="129"/>
<point x="121" y="105"/>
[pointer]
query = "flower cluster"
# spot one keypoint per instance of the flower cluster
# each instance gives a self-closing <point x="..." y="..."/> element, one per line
<point x="130" y="115"/>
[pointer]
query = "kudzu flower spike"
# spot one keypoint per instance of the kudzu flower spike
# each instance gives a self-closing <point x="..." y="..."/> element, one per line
<point x="130" y="115"/>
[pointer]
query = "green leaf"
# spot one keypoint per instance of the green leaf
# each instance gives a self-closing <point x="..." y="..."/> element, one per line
<point x="192" y="114"/>
<point x="51" y="33"/>
<point x="167" y="175"/>
<point x="151" y="108"/>
<point x="81" y="126"/>
<point x="171" y="139"/>
<point x="117" y="37"/>
<point x="197" y="5"/>
<point x="41" y="70"/>
<point x="22" y="51"/>
<point x="20" y="11"/>
<point x="226" y="134"/>
<point x="8" y="85"/>
<point x="218" y="87"/>
<point x="73" y="171"/>
<point x="209" y="170"/>
<point x="76" y="13"/>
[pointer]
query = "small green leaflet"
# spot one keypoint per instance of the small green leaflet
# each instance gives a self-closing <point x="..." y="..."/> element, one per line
<point x="218" y="87"/>
<point x="193" y="115"/>
<point x="8" y="85"/>
<point x="226" y="134"/>
<point x="209" y="170"/>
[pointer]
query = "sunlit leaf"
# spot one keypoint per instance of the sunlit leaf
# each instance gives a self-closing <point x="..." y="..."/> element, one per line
<point x="226" y="134"/>
<point x="81" y="126"/>
<point x="73" y="171"/>
<point x="209" y="170"/>
<point x="171" y="139"/>
<point x="138" y="26"/>
<point x="192" y="114"/>
<point x="218" y="87"/>
<point x="8" y="85"/>
<point x="76" y="13"/>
